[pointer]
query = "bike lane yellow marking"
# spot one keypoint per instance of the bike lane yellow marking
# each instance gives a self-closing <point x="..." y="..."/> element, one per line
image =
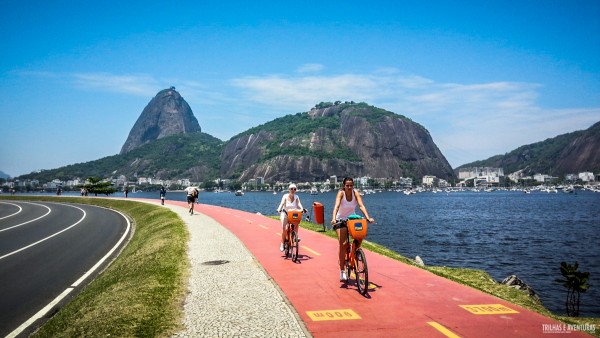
<point x="264" y="227"/>
<point x="443" y="330"/>
<point x="488" y="309"/>
<point x="341" y="314"/>
<point x="311" y="250"/>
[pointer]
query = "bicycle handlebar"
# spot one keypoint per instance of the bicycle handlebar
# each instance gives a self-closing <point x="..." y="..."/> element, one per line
<point x="341" y="221"/>
<point x="304" y="211"/>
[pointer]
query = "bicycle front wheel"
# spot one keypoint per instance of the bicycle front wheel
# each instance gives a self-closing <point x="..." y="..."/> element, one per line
<point x="287" y="250"/>
<point x="294" y="249"/>
<point x="361" y="271"/>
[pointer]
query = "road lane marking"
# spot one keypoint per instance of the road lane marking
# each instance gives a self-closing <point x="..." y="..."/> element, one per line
<point x="262" y="226"/>
<point x="47" y="238"/>
<point x="35" y="219"/>
<point x="311" y="250"/>
<point x="16" y="205"/>
<point x="39" y="314"/>
<point x="342" y="314"/>
<point x="443" y="330"/>
<point x="68" y="290"/>
<point x="488" y="309"/>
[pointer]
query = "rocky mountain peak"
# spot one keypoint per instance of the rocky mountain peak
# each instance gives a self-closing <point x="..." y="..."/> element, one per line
<point x="342" y="139"/>
<point x="166" y="114"/>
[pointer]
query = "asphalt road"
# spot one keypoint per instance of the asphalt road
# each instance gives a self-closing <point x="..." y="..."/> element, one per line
<point x="48" y="251"/>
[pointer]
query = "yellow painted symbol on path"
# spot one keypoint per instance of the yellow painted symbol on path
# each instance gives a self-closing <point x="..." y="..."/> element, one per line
<point x="488" y="309"/>
<point x="443" y="330"/>
<point x="342" y="314"/>
<point x="249" y="221"/>
<point x="262" y="226"/>
<point x="311" y="250"/>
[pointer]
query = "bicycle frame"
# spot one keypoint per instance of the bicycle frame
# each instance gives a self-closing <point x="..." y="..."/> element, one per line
<point x="291" y="243"/>
<point x="356" y="262"/>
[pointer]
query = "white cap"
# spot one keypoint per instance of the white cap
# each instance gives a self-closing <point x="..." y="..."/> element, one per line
<point x="292" y="185"/>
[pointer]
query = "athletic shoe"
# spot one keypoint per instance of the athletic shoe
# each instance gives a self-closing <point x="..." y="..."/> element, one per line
<point x="281" y="247"/>
<point x="343" y="276"/>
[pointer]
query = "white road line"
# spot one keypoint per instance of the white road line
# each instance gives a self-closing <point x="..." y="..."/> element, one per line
<point x="114" y="248"/>
<point x="60" y="297"/>
<point x="47" y="238"/>
<point x="35" y="219"/>
<point x="16" y="205"/>
<point x="39" y="314"/>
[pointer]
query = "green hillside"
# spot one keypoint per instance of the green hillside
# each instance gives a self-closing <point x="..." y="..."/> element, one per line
<point x="169" y="157"/>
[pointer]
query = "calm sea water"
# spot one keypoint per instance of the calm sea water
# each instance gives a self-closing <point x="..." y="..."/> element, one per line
<point x="502" y="232"/>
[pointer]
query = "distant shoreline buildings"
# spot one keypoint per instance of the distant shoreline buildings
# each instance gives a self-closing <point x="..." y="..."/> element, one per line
<point x="483" y="177"/>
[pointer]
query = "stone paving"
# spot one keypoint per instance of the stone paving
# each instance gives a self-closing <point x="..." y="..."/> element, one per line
<point x="229" y="294"/>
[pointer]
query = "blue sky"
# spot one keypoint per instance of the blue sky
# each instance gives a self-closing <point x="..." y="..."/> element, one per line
<point x="484" y="77"/>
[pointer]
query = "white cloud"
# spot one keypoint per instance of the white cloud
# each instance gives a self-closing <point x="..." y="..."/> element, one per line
<point x="142" y="85"/>
<point x="310" y="68"/>
<point x="467" y="121"/>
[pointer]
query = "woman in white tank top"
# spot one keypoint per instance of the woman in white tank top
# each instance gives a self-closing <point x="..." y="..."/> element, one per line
<point x="289" y="202"/>
<point x="346" y="201"/>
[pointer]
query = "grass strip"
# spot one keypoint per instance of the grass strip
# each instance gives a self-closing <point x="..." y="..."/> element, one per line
<point x="140" y="294"/>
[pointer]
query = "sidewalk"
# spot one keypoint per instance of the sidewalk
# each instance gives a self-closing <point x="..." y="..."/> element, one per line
<point x="229" y="294"/>
<point x="239" y="298"/>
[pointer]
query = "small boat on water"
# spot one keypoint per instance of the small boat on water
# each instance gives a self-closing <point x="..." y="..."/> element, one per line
<point x="239" y="193"/>
<point x="314" y="191"/>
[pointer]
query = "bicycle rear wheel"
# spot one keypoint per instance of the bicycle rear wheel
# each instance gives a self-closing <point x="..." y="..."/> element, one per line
<point x="361" y="271"/>
<point x="294" y="249"/>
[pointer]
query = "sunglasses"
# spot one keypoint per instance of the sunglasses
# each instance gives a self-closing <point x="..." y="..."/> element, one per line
<point x="293" y="189"/>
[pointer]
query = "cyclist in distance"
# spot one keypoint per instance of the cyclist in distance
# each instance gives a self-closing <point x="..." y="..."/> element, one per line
<point x="346" y="201"/>
<point x="289" y="202"/>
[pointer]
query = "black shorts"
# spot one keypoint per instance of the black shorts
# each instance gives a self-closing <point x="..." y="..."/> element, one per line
<point x="340" y="225"/>
<point x="191" y="199"/>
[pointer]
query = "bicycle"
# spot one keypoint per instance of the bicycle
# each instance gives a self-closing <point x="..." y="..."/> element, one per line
<point x="291" y="243"/>
<point x="356" y="261"/>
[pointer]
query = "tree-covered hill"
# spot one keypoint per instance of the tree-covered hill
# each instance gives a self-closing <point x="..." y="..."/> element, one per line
<point x="334" y="139"/>
<point x="564" y="154"/>
<point x="176" y="156"/>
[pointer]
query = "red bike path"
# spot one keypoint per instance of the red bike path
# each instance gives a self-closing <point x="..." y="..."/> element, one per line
<point x="403" y="300"/>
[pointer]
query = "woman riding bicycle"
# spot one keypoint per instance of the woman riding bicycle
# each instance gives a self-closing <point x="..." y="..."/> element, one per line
<point x="289" y="202"/>
<point x="346" y="201"/>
